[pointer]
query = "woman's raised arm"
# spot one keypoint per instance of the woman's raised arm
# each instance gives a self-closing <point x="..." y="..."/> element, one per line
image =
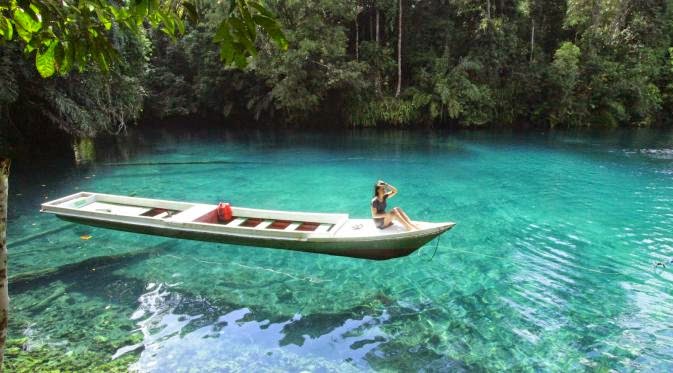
<point x="392" y="192"/>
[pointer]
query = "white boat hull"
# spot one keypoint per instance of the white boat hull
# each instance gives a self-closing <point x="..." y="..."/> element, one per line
<point x="334" y="234"/>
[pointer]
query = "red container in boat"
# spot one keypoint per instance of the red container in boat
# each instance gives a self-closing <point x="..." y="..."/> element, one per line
<point x="224" y="211"/>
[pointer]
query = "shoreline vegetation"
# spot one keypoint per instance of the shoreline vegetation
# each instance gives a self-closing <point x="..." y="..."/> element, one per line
<point x="533" y="64"/>
<point x="61" y="147"/>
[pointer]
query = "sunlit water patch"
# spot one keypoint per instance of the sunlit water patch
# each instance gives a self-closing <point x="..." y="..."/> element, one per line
<point x="205" y="341"/>
<point x="561" y="259"/>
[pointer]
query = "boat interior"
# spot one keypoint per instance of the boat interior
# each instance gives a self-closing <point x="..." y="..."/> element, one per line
<point x="197" y="213"/>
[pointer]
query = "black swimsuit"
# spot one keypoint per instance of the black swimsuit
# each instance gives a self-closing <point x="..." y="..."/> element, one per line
<point x="380" y="207"/>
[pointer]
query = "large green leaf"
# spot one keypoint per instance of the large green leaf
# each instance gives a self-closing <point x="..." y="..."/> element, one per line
<point x="6" y="29"/>
<point x="169" y="24"/>
<point x="191" y="11"/>
<point x="273" y="29"/>
<point x="75" y="33"/>
<point x="223" y="37"/>
<point x="26" y="21"/>
<point x="103" y="18"/>
<point x="181" y="26"/>
<point x="45" y="60"/>
<point x="260" y="8"/>
<point x="246" y="19"/>
<point x="68" y="59"/>
<point x="242" y="36"/>
<point x="26" y="27"/>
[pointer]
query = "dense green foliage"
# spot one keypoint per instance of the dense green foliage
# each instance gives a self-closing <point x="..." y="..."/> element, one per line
<point x="464" y="62"/>
<point x="106" y="44"/>
<point x="68" y="34"/>
<point x="470" y="63"/>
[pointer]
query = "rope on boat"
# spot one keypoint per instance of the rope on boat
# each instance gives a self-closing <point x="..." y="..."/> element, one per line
<point x="436" y="246"/>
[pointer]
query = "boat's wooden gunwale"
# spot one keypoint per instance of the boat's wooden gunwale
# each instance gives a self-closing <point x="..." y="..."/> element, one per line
<point x="323" y="218"/>
<point x="144" y="202"/>
<point x="67" y="198"/>
<point x="315" y="217"/>
<point x="387" y="237"/>
<point x="80" y="202"/>
<point x="237" y="211"/>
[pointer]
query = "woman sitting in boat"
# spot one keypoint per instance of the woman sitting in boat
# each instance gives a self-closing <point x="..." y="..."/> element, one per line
<point x="383" y="219"/>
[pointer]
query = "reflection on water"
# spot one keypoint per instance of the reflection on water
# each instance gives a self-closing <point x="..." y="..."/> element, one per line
<point x="233" y="340"/>
<point x="84" y="151"/>
<point x="550" y="268"/>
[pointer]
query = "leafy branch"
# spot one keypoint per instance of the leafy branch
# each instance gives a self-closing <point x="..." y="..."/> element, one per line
<point x="69" y="34"/>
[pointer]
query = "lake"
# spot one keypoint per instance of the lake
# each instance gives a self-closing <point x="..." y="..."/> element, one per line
<point x="552" y="265"/>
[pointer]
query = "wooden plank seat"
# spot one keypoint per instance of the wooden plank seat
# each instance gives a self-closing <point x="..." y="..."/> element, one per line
<point x="284" y="225"/>
<point x="159" y="213"/>
<point x="236" y="222"/>
<point x="115" y="208"/>
<point x="264" y="224"/>
<point x="323" y="228"/>
<point x="193" y="213"/>
<point x="293" y="226"/>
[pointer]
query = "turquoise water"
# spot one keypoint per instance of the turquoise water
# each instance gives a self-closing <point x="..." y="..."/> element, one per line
<point x="551" y="266"/>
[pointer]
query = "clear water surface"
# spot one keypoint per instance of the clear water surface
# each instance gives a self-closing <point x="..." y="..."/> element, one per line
<point x="551" y="266"/>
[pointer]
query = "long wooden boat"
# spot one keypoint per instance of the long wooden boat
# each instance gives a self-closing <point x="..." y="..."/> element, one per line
<point x="335" y="234"/>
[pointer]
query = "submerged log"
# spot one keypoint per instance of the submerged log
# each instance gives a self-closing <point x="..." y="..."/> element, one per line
<point x="32" y="237"/>
<point x="60" y="291"/>
<point x="90" y="264"/>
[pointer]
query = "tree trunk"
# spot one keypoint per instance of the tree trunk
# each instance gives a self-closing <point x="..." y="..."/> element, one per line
<point x="4" y="295"/>
<point x="371" y="25"/>
<point x="595" y="13"/>
<point x="357" y="39"/>
<point x="377" y="26"/>
<point x="532" y="39"/>
<point x="488" y="9"/>
<point x="378" y="43"/>
<point x="399" y="53"/>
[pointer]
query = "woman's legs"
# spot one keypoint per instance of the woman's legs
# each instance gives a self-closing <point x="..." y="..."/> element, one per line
<point x="399" y="212"/>
<point x="404" y="214"/>
<point x="387" y="220"/>
<point x="401" y="218"/>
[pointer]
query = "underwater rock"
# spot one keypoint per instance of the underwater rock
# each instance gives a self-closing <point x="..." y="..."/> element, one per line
<point x="385" y="299"/>
<point x="54" y="359"/>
